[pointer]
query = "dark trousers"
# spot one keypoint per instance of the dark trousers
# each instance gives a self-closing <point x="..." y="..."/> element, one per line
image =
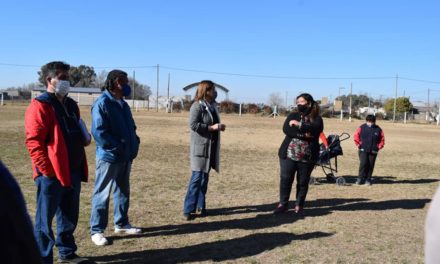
<point x="56" y="200"/>
<point x="288" y="169"/>
<point x="366" y="165"/>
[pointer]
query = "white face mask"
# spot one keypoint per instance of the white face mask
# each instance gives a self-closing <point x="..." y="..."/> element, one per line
<point x="62" y="87"/>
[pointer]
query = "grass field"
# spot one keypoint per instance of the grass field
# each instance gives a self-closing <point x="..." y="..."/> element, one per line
<point x="383" y="223"/>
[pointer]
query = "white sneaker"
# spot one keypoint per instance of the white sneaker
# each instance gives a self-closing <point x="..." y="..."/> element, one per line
<point x="99" y="239"/>
<point x="127" y="229"/>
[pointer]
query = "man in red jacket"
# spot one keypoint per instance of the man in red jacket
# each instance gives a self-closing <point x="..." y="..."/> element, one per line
<point x="369" y="138"/>
<point x="56" y="147"/>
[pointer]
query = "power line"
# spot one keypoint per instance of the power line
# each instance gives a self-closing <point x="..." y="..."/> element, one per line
<point x="276" y="76"/>
<point x="19" y="65"/>
<point x="124" y="67"/>
<point x="418" y="80"/>
<point x="98" y="67"/>
<point x="239" y="74"/>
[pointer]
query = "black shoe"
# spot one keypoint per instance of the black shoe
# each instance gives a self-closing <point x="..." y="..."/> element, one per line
<point x="368" y="183"/>
<point x="202" y="212"/>
<point x="298" y="209"/>
<point x="280" y="209"/>
<point x="187" y="217"/>
<point x="74" y="258"/>
<point x="358" y="182"/>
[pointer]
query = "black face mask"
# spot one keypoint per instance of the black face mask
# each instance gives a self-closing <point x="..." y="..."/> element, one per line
<point x="214" y="95"/>
<point x="302" y="108"/>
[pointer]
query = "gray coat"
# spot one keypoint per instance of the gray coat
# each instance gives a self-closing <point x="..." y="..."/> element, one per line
<point x="200" y="146"/>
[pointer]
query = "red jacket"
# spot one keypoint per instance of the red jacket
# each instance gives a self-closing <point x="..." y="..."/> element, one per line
<point x="45" y="142"/>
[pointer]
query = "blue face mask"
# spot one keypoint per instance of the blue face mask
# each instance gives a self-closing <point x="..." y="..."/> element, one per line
<point x="126" y="90"/>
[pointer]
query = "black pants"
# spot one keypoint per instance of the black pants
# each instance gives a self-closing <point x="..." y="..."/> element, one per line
<point x="288" y="169"/>
<point x="366" y="165"/>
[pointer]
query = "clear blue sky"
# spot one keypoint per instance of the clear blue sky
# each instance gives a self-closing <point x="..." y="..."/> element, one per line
<point x="315" y="39"/>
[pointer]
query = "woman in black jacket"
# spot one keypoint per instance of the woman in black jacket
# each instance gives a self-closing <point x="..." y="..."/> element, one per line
<point x="299" y="151"/>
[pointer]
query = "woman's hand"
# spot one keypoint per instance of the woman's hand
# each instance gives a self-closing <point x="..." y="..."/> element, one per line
<point x="217" y="127"/>
<point x="293" y="123"/>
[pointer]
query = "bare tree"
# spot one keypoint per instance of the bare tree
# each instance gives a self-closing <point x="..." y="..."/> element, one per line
<point x="100" y="78"/>
<point x="275" y="99"/>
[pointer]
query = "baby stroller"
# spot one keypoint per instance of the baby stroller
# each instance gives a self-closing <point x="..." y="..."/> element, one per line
<point x="327" y="154"/>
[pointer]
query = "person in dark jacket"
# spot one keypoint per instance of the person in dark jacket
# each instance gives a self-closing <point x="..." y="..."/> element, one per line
<point x="117" y="145"/>
<point x="17" y="242"/>
<point x="299" y="151"/>
<point x="369" y="138"/>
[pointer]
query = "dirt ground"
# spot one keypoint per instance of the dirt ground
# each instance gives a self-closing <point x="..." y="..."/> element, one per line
<point x="383" y="223"/>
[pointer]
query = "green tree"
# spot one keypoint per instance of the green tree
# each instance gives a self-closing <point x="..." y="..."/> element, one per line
<point x="81" y="76"/>
<point x="402" y="105"/>
<point x="358" y="101"/>
<point x="139" y="91"/>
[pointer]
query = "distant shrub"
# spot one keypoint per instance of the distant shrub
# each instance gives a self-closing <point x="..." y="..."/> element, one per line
<point x="380" y="116"/>
<point x="187" y="105"/>
<point x="326" y="113"/>
<point x="228" y="107"/>
<point x="267" y="110"/>
<point x="252" y="109"/>
<point x="177" y="107"/>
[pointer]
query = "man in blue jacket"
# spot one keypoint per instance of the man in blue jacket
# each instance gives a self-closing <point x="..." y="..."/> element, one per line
<point x="117" y="145"/>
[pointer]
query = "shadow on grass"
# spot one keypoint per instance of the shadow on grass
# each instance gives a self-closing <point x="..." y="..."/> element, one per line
<point x="391" y="180"/>
<point x="248" y="245"/>
<point x="379" y="180"/>
<point x="319" y="207"/>
<point x="406" y="204"/>
<point x="260" y="221"/>
<point x="224" y="250"/>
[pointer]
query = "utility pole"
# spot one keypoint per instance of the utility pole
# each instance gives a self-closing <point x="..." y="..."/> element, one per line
<point x="368" y="94"/>
<point x="429" y="90"/>
<point x="339" y="98"/>
<point x="428" y="116"/>
<point x="157" y="90"/>
<point x="134" y="89"/>
<point x="438" y="116"/>
<point x="349" y="111"/>
<point x="168" y="95"/>
<point x="395" y="99"/>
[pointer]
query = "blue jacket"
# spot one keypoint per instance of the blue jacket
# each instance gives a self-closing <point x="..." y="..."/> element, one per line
<point x="114" y="130"/>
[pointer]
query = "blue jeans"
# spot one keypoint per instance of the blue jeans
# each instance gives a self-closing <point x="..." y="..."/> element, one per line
<point x="110" y="176"/>
<point x="56" y="200"/>
<point x="196" y="194"/>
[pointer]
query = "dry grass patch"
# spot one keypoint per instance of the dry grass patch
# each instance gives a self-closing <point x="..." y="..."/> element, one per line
<point x="350" y="224"/>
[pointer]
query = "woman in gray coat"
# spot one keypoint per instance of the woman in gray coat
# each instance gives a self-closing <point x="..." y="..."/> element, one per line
<point x="205" y="127"/>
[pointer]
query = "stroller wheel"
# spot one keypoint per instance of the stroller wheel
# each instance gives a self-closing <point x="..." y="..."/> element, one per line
<point x="330" y="177"/>
<point x="313" y="180"/>
<point x="340" y="181"/>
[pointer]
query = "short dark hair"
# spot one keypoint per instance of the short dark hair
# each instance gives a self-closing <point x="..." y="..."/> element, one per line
<point x="371" y="118"/>
<point x="111" y="79"/>
<point x="52" y="68"/>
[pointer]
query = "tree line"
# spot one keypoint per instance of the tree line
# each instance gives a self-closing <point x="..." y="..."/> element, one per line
<point x="83" y="76"/>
